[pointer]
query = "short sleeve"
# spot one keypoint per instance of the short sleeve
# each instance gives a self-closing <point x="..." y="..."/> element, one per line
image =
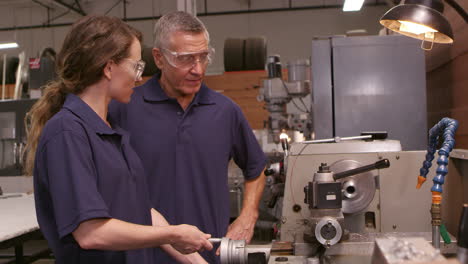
<point x="246" y="151"/>
<point x="67" y="162"/>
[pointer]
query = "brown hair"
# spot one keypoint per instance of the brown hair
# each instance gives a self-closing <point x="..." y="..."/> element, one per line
<point x="91" y="43"/>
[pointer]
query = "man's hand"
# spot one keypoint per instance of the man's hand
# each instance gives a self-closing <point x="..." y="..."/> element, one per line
<point x="242" y="228"/>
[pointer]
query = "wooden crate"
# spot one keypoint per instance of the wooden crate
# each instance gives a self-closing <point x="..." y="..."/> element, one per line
<point x="9" y="91"/>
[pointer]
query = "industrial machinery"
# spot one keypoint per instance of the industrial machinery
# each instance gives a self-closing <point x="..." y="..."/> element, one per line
<point x="332" y="198"/>
<point x="329" y="96"/>
<point x="342" y="197"/>
<point x="13" y="135"/>
<point x="370" y="200"/>
<point x="324" y="196"/>
<point x="277" y="93"/>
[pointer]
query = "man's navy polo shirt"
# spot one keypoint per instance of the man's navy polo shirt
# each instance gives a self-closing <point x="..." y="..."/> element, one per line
<point x="83" y="170"/>
<point x="186" y="154"/>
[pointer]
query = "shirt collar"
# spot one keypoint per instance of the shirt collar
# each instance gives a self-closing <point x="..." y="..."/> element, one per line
<point x="87" y="114"/>
<point x="152" y="91"/>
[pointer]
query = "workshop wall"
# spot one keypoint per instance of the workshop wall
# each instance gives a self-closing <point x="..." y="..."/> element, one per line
<point x="447" y="78"/>
<point x="447" y="95"/>
<point x="289" y="33"/>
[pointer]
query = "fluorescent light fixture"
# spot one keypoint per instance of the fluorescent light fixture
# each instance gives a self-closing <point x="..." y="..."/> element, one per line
<point x="352" y="5"/>
<point x="11" y="45"/>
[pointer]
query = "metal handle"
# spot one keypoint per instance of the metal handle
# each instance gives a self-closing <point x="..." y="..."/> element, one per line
<point x="336" y="139"/>
<point x="15" y="153"/>
<point x="20" y="153"/>
<point x="4" y="76"/>
<point x="215" y="240"/>
<point x="381" y="164"/>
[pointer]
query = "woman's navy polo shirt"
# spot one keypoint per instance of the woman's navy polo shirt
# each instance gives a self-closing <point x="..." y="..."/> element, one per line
<point x="83" y="170"/>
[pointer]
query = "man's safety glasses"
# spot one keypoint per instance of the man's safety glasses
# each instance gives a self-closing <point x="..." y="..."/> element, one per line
<point x="187" y="60"/>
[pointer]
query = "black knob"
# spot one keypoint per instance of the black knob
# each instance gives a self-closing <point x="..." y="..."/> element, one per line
<point x="269" y="172"/>
<point x="324" y="168"/>
<point x="382" y="164"/>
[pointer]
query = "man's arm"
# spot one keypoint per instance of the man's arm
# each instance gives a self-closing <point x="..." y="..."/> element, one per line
<point x="159" y="220"/>
<point x="243" y="226"/>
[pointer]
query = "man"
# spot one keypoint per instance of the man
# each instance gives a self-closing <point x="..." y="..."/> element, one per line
<point x="185" y="134"/>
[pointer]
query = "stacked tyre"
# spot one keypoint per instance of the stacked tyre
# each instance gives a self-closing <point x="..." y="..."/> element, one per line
<point x="245" y="54"/>
<point x="11" y="67"/>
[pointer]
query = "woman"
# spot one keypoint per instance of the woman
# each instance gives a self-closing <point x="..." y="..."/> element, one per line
<point x="91" y="198"/>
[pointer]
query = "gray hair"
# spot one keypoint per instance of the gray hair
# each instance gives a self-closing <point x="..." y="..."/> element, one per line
<point x="177" y="21"/>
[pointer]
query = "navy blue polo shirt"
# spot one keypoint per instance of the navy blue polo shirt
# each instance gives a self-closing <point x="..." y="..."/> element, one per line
<point x="186" y="154"/>
<point x="83" y="170"/>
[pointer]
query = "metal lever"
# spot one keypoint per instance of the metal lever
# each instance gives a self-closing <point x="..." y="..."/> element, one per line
<point x="15" y="154"/>
<point x="336" y="139"/>
<point x="381" y="164"/>
<point x="214" y="240"/>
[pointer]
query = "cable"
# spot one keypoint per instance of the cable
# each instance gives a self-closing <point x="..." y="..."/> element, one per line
<point x="305" y="106"/>
<point x="59" y="16"/>
<point x="300" y="109"/>
<point x="41" y="4"/>
<point x="291" y="178"/>
<point x="77" y="2"/>
<point x="110" y="9"/>
<point x="292" y="99"/>
<point x="48" y="12"/>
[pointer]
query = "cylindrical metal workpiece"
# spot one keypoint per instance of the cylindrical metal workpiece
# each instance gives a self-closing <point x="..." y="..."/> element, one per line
<point x="232" y="251"/>
<point x="237" y="252"/>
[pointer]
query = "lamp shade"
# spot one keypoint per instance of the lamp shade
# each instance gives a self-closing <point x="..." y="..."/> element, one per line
<point x="423" y="15"/>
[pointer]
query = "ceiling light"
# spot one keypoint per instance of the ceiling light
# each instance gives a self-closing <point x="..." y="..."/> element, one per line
<point x="10" y="45"/>
<point x="422" y="19"/>
<point x="414" y="28"/>
<point x="352" y="5"/>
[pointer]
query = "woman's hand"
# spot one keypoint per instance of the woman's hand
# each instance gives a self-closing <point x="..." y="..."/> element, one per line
<point x="189" y="239"/>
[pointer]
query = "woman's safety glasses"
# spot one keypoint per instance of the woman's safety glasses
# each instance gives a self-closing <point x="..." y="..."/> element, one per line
<point x="138" y="67"/>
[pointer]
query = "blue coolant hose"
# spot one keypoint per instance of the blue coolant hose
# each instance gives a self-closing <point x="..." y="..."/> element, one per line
<point x="448" y="126"/>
